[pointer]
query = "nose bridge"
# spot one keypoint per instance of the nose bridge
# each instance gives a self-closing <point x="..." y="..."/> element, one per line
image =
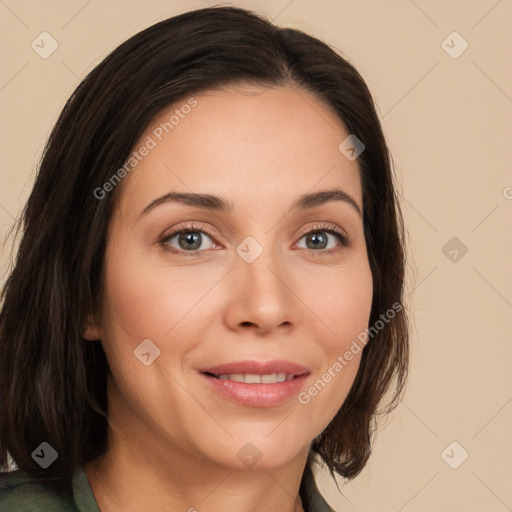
<point x="258" y="261"/>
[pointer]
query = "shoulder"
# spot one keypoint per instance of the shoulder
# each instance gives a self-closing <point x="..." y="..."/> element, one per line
<point x="21" y="492"/>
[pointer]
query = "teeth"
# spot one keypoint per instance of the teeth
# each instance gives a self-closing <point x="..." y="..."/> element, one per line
<point x="251" y="378"/>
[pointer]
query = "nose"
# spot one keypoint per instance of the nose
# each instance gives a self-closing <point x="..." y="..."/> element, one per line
<point x="261" y="297"/>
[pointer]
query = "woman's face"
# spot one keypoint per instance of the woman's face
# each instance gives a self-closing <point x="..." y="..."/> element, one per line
<point x="261" y="281"/>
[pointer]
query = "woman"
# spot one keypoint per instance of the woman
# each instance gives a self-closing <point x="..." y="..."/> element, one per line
<point x="207" y="296"/>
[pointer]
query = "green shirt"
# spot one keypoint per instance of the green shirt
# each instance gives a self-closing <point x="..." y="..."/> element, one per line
<point x="18" y="493"/>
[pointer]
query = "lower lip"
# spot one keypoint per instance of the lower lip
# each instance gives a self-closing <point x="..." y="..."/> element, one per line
<point x="256" y="395"/>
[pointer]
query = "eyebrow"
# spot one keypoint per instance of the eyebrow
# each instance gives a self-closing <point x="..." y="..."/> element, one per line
<point x="216" y="203"/>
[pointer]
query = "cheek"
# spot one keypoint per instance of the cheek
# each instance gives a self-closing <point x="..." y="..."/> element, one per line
<point x="342" y="302"/>
<point x="146" y="295"/>
<point x="147" y="298"/>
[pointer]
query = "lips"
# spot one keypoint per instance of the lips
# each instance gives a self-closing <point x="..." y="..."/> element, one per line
<point x="257" y="368"/>
<point x="256" y="384"/>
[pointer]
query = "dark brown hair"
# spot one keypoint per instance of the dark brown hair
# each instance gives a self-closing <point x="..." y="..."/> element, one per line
<point x="52" y="380"/>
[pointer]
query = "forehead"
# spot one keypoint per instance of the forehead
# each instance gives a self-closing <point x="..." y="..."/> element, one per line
<point x="243" y="142"/>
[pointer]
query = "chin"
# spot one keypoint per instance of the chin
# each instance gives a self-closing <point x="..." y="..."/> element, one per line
<point x="264" y="452"/>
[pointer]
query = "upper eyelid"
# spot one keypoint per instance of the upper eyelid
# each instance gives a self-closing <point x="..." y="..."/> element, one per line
<point x="324" y="226"/>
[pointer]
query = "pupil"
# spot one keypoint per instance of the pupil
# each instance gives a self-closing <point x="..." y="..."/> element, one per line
<point x="316" y="240"/>
<point x="194" y="239"/>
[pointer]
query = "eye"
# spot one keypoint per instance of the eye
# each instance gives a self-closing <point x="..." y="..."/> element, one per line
<point x="323" y="238"/>
<point x="189" y="239"/>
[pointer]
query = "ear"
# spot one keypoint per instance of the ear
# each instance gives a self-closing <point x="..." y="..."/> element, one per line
<point x="92" y="330"/>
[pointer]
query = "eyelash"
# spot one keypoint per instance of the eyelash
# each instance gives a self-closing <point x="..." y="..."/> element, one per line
<point x="325" y="228"/>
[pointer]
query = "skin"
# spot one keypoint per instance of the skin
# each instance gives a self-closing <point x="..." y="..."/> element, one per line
<point x="173" y="442"/>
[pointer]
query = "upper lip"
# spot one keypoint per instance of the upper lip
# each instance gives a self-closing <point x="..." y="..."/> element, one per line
<point x="257" y="368"/>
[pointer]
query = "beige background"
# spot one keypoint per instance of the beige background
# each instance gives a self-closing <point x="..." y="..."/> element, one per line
<point x="449" y="124"/>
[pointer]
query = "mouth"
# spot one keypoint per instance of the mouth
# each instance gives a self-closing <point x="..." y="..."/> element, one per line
<point x="254" y="378"/>
<point x="255" y="372"/>
<point x="256" y="384"/>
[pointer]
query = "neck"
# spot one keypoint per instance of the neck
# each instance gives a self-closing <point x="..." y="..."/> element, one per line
<point x="122" y="480"/>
